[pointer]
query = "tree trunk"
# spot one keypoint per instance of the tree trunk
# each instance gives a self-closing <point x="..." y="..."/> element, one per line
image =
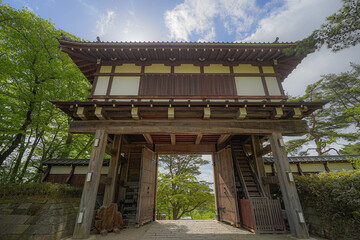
<point x="67" y="147"/>
<point x="37" y="138"/>
<point x="15" y="143"/>
<point x="175" y="214"/>
<point x="18" y="160"/>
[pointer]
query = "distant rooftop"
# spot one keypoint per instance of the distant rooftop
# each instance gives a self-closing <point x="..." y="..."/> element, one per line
<point x="304" y="159"/>
<point x="317" y="159"/>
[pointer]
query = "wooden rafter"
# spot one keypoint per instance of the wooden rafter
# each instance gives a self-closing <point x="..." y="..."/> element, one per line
<point x="82" y="113"/>
<point x="241" y="114"/>
<point x="207" y="113"/>
<point x="100" y="113"/>
<point x="148" y="138"/>
<point x="135" y="113"/>
<point x="173" y="139"/>
<point x="279" y="112"/>
<point x="198" y="138"/>
<point x="223" y="138"/>
<point x="171" y="113"/>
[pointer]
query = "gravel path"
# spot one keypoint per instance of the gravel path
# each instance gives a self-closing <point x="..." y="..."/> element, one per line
<point x="189" y="230"/>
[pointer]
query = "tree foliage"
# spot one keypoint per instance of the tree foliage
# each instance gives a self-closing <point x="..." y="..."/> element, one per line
<point x="179" y="191"/>
<point x="180" y="164"/>
<point x="334" y="197"/>
<point x="33" y="71"/>
<point x="341" y="30"/>
<point x="340" y="117"/>
<point x="182" y="194"/>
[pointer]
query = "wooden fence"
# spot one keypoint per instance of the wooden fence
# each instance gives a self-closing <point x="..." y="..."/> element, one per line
<point x="262" y="215"/>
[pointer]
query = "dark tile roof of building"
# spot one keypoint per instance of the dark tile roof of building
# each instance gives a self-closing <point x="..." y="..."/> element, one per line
<point x="66" y="38"/>
<point x="316" y="159"/>
<point x="267" y="160"/>
<point x="69" y="162"/>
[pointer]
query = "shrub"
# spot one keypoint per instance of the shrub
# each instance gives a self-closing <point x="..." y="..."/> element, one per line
<point x="335" y="196"/>
<point x="46" y="189"/>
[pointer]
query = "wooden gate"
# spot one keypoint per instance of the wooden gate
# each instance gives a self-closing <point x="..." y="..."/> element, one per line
<point x="262" y="215"/>
<point x="147" y="184"/>
<point x="225" y="188"/>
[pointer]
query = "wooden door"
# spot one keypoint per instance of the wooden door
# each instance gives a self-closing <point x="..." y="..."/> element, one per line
<point x="225" y="187"/>
<point x="147" y="185"/>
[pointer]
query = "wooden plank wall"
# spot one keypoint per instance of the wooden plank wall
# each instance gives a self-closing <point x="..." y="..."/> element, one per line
<point x="146" y="204"/>
<point x="187" y="85"/>
<point x="226" y="189"/>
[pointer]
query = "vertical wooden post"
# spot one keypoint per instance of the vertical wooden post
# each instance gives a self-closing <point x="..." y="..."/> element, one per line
<point x="109" y="193"/>
<point x="92" y="179"/>
<point x="123" y="177"/>
<point x="216" y="184"/>
<point x="260" y="168"/>
<point x="156" y="184"/>
<point x="288" y="189"/>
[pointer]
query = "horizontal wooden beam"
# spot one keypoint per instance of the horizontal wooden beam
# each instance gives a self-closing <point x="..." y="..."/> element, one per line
<point x="266" y="127"/>
<point x="185" y="148"/>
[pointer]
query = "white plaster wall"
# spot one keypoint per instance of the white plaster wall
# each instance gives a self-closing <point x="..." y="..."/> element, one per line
<point x="101" y="85"/>
<point x="125" y="86"/>
<point x="249" y="86"/>
<point x="272" y="86"/>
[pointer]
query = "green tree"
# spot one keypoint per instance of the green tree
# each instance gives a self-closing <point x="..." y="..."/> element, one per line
<point x="341" y="113"/>
<point x="33" y="70"/>
<point x="341" y="30"/>
<point x="179" y="191"/>
<point x="182" y="194"/>
<point x="176" y="165"/>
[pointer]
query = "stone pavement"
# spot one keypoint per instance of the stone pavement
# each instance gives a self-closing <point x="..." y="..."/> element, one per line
<point x="189" y="230"/>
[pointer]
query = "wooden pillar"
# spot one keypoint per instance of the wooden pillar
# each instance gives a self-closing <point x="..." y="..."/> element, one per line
<point x="260" y="168"/>
<point x="123" y="178"/>
<point x="288" y="189"/>
<point x="216" y="184"/>
<point x="88" y="198"/>
<point x="110" y="190"/>
<point x="156" y="185"/>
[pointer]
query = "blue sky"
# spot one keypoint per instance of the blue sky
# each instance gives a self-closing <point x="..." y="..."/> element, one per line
<point x="203" y="20"/>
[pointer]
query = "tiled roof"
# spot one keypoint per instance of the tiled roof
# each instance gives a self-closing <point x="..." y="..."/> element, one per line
<point x="69" y="162"/>
<point x="267" y="160"/>
<point x="98" y="41"/>
<point x="86" y="54"/>
<point x="310" y="159"/>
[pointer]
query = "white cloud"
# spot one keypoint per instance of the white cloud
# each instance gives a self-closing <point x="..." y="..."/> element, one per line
<point x="294" y="21"/>
<point x="105" y="22"/>
<point x="198" y="17"/>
